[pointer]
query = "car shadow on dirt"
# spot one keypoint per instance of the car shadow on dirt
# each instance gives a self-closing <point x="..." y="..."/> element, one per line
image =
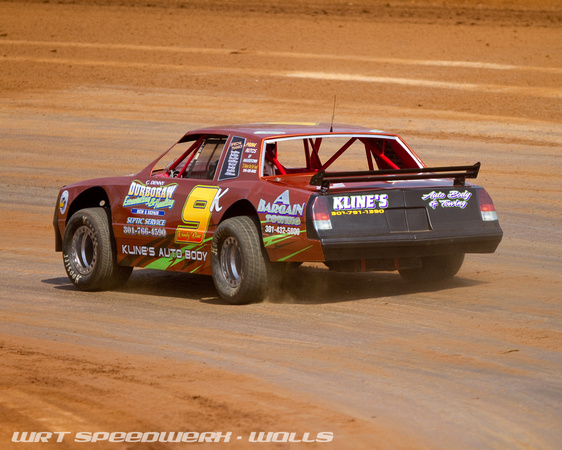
<point x="306" y="285"/>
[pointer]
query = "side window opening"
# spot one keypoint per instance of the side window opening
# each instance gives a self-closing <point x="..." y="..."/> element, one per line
<point x="271" y="165"/>
<point x="204" y="164"/>
<point x="196" y="157"/>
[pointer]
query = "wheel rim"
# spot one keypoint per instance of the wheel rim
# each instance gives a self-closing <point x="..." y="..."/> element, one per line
<point x="84" y="252"/>
<point x="231" y="262"/>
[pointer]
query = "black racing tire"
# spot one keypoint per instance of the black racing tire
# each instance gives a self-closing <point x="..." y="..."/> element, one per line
<point x="88" y="252"/>
<point x="434" y="268"/>
<point x="241" y="270"/>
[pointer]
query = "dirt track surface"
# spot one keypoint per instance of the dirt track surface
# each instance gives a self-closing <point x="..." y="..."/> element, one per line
<point x="99" y="88"/>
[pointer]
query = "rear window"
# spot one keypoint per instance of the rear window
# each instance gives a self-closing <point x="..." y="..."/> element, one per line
<point x="335" y="153"/>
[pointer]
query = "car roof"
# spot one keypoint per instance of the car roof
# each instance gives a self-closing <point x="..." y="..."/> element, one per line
<point x="267" y="130"/>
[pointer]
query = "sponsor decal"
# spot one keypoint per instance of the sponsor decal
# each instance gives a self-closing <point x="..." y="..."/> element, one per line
<point x="170" y="436"/>
<point x="231" y="165"/>
<point x="201" y="202"/>
<point x="249" y="168"/>
<point x="360" y="202"/>
<point x="147" y="212"/>
<point x="154" y="197"/>
<point x="155" y="182"/>
<point x="144" y="231"/>
<point x="250" y="161"/>
<point x="294" y="231"/>
<point x="146" y="221"/>
<point x="251" y="148"/>
<point x="454" y="199"/>
<point x="164" y="252"/>
<point x="357" y="212"/>
<point x="138" y="250"/>
<point x="281" y="211"/>
<point x="63" y="203"/>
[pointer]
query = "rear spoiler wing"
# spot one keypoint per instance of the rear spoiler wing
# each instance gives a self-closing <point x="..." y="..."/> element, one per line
<point x="458" y="173"/>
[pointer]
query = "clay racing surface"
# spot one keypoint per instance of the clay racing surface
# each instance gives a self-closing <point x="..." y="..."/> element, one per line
<point x="90" y="89"/>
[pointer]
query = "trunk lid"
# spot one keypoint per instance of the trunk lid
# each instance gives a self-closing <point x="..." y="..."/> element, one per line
<point x="403" y="210"/>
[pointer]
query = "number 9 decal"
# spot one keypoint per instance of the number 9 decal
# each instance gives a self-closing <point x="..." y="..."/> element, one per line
<point x="196" y="214"/>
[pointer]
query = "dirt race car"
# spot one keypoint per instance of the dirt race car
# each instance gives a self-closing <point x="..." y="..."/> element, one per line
<point x="245" y="203"/>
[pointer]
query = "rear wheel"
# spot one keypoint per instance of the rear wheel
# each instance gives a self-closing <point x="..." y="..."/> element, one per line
<point x="241" y="270"/>
<point x="88" y="252"/>
<point x="434" y="268"/>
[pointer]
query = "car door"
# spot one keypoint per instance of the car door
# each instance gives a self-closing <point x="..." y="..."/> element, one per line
<point x="170" y="210"/>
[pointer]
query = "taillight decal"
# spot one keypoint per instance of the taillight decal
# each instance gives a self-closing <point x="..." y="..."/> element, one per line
<point x="321" y="214"/>
<point x="487" y="208"/>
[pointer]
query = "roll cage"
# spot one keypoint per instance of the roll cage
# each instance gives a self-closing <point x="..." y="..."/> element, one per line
<point x="321" y="152"/>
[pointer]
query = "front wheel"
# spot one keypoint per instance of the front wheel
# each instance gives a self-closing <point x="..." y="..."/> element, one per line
<point x="434" y="268"/>
<point x="88" y="254"/>
<point x="240" y="267"/>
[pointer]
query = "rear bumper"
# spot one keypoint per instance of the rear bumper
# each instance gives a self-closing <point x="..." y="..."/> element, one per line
<point x="408" y="245"/>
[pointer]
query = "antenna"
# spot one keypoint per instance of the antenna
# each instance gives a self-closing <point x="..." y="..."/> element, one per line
<point x="333" y="115"/>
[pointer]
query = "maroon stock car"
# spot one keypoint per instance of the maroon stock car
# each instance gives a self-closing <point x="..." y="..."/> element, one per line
<point x="243" y="203"/>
